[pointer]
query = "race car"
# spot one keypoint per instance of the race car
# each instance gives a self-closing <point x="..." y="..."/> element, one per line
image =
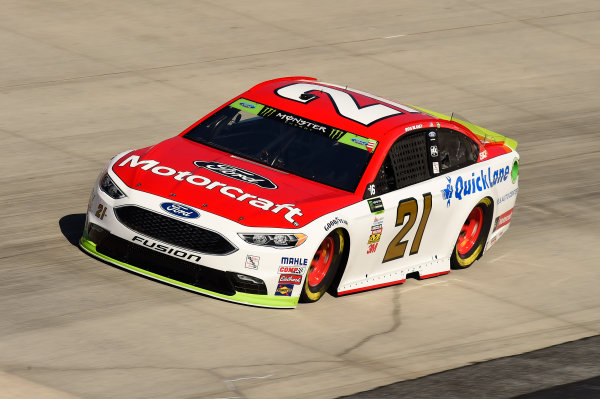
<point x="298" y="187"/>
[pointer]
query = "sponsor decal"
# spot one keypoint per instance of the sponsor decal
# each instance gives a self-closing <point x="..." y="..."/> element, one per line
<point x="373" y="238"/>
<point x="372" y="248"/>
<point x="492" y="242"/>
<point x="438" y="125"/>
<point x="179" y="210"/>
<point x="252" y="262"/>
<point x="376" y="206"/>
<point x="408" y="129"/>
<point x="232" y="192"/>
<point x="247" y="105"/>
<point x="436" y="167"/>
<point x="478" y="181"/>
<point x="101" y="211"/>
<point x="376" y="230"/>
<point x="294" y="261"/>
<point x="371" y="145"/>
<point x="236" y="173"/>
<point x="290" y="279"/>
<point x="371" y="189"/>
<point x="290" y="270"/>
<point x="483" y="155"/>
<point x="360" y="142"/>
<point x="284" y="289"/>
<point x="503" y="220"/>
<point x="431" y="134"/>
<point x="433" y="150"/>
<point x="166" y="249"/>
<point x="507" y="196"/>
<point x="335" y="222"/>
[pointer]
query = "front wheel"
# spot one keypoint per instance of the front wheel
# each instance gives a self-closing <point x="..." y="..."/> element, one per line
<point x="323" y="267"/>
<point x="473" y="233"/>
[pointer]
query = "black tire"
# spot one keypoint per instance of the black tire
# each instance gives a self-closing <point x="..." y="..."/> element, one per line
<point x="318" y="280"/>
<point x="466" y="251"/>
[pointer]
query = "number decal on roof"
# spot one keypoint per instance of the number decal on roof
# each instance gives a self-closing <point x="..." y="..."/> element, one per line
<point x="344" y="104"/>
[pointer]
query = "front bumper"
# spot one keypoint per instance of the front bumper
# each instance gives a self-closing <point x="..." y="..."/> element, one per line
<point x="214" y="280"/>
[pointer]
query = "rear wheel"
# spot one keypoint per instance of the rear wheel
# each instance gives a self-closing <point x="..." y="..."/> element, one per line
<point x="473" y="233"/>
<point x="323" y="267"/>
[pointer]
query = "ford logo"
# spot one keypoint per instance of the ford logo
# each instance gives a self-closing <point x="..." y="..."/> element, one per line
<point x="247" y="105"/>
<point x="360" y="142"/>
<point x="237" y="173"/>
<point x="179" y="210"/>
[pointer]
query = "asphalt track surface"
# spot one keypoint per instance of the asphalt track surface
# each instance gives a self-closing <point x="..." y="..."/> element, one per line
<point x="82" y="81"/>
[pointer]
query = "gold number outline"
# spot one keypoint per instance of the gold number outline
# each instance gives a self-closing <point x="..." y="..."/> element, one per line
<point x="408" y="207"/>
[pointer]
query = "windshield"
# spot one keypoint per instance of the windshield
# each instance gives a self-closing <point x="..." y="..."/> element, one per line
<point x="287" y="142"/>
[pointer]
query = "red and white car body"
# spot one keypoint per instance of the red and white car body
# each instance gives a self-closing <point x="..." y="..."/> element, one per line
<point x="410" y="192"/>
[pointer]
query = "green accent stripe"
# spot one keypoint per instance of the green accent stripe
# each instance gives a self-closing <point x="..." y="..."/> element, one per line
<point x="477" y="130"/>
<point x="270" y="301"/>
<point x="248" y="106"/>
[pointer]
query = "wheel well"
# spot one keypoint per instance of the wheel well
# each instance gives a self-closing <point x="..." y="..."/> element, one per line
<point x="342" y="268"/>
<point x="487" y="220"/>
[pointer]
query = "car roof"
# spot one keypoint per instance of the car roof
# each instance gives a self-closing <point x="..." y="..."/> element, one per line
<point x="324" y="109"/>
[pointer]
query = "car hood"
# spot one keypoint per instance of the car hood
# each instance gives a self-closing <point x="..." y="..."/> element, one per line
<point x="210" y="180"/>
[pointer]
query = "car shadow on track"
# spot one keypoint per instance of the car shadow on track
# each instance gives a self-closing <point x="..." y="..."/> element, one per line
<point x="71" y="226"/>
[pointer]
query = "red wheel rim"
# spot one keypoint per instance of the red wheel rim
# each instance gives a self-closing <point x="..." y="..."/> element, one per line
<point x="321" y="262"/>
<point x="470" y="231"/>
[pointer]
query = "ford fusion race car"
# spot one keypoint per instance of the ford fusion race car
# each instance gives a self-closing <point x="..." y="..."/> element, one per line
<point x="298" y="187"/>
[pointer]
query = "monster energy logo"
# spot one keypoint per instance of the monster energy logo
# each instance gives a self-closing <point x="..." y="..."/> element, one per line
<point x="336" y="134"/>
<point x="267" y="111"/>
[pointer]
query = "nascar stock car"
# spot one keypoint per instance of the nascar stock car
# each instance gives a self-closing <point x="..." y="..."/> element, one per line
<point x="298" y="187"/>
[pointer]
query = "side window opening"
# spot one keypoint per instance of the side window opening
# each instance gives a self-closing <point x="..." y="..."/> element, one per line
<point x="455" y="150"/>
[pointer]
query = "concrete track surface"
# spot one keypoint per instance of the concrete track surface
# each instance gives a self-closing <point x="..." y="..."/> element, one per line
<point x="81" y="81"/>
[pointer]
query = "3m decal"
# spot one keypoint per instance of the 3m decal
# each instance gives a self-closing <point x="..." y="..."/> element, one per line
<point x="344" y="104"/>
<point x="166" y="249"/>
<point x="376" y="206"/>
<point x="206" y="183"/>
<point x="290" y="279"/>
<point x="179" y="210"/>
<point x="284" y="289"/>
<point x="372" y="248"/>
<point x="100" y="212"/>
<point x="410" y="208"/>
<point x="236" y="173"/>
<point x="252" y="262"/>
<point x="475" y="183"/>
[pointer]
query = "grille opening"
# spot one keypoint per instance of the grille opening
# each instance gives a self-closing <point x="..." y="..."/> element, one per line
<point x="173" y="231"/>
<point x="164" y="265"/>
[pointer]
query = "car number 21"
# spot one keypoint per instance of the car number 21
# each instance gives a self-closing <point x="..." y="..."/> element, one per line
<point x="408" y="207"/>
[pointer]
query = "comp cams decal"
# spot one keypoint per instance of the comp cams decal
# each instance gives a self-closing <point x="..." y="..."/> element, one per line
<point x="229" y="191"/>
<point x="473" y="184"/>
<point x="236" y="173"/>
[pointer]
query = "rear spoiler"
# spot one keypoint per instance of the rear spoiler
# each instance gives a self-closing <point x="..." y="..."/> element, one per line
<point x="483" y="134"/>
